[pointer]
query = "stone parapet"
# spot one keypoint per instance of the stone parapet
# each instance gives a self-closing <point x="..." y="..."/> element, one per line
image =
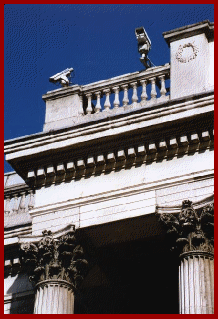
<point x="78" y="104"/>
<point x="191" y="58"/>
<point x="161" y="119"/>
<point x="205" y="26"/>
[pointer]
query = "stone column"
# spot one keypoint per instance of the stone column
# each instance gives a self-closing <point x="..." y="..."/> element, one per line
<point x="190" y="234"/>
<point x="56" y="266"/>
<point x="196" y="283"/>
<point x="54" y="297"/>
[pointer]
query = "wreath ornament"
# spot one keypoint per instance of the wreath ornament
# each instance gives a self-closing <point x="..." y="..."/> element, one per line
<point x="190" y="57"/>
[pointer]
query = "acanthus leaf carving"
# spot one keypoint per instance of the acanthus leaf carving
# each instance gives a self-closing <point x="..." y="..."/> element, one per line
<point x="191" y="229"/>
<point x="50" y="258"/>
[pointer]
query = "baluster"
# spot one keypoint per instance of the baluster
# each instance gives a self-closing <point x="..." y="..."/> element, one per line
<point x="116" y="98"/>
<point x="144" y="95"/>
<point x="15" y="206"/>
<point x="134" y="93"/>
<point x="163" y="88"/>
<point x="153" y="89"/>
<point x="125" y="95"/>
<point x="107" y="104"/>
<point x="22" y="203"/>
<point x="81" y="105"/>
<point x="7" y="205"/>
<point x="31" y="200"/>
<point x="89" y="108"/>
<point x="98" y="104"/>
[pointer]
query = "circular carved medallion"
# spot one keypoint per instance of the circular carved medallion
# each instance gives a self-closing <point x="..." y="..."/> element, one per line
<point x="186" y="52"/>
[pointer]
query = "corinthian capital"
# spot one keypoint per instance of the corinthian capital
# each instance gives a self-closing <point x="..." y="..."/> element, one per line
<point x="55" y="258"/>
<point x="191" y="229"/>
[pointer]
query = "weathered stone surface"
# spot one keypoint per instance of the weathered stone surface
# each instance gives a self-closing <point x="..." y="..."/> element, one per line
<point x="196" y="283"/>
<point x="54" y="259"/>
<point x="191" y="229"/>
<point x="54" y="297"/>
<point x="17" y="220"/>
<point x="107" y="168"/>
<point x="191" y="56"/>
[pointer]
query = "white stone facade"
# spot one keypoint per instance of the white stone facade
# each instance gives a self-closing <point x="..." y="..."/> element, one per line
<point x="111" y="170"/>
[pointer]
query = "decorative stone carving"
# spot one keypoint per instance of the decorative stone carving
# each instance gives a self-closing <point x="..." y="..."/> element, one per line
<point x="190" y="234"/>
<point x="191" y="230"/>
<point x="55" y="259"/>
<point x="186" y="58"/>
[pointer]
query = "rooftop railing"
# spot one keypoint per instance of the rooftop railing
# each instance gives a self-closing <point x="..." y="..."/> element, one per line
<point x="18" y="202"/>
<point x="139" y="89"/>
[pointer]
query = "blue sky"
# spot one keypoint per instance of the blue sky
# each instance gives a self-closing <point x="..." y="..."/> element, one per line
<point x="97" y="40"/>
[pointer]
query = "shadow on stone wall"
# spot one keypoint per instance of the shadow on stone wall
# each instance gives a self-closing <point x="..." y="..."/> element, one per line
<point x="20" y="289"/>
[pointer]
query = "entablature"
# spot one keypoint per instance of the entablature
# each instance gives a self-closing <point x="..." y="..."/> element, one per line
<point x="184" y="123"/>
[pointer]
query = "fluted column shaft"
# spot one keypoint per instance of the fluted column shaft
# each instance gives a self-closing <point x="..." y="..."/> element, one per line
<point x="192" y="231"/>
<point x="54" y="297"/>
<point x="196" y="283"/>
<point x="56" y="266"/>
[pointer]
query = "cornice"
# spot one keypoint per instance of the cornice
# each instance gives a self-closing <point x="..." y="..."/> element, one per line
<point x="140" y="121"/>
<point x="62" y="92"/>
<point x="205" y="26"/>
<point x="16" y="189"/>
<point x="23" y="239"/>
<point x="12" y="267"/>
<point x="138" y="115"/>
<point x="16" y="231"/>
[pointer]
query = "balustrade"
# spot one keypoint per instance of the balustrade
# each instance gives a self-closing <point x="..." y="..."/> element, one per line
<point x="147" y="89"/>
<point x="19" y="202"/>
<point x="144" y="95"/>
<point x="134" y="94"/>
<point x="107" y="104"/>
<point x="116" y="98"/>
<point x="125" y="95"/>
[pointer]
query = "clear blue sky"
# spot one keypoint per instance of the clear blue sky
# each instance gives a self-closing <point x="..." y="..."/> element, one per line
<point x="97" y="40"/>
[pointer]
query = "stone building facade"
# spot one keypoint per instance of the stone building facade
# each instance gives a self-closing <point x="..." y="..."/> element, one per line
<point x="110" y="208"/>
